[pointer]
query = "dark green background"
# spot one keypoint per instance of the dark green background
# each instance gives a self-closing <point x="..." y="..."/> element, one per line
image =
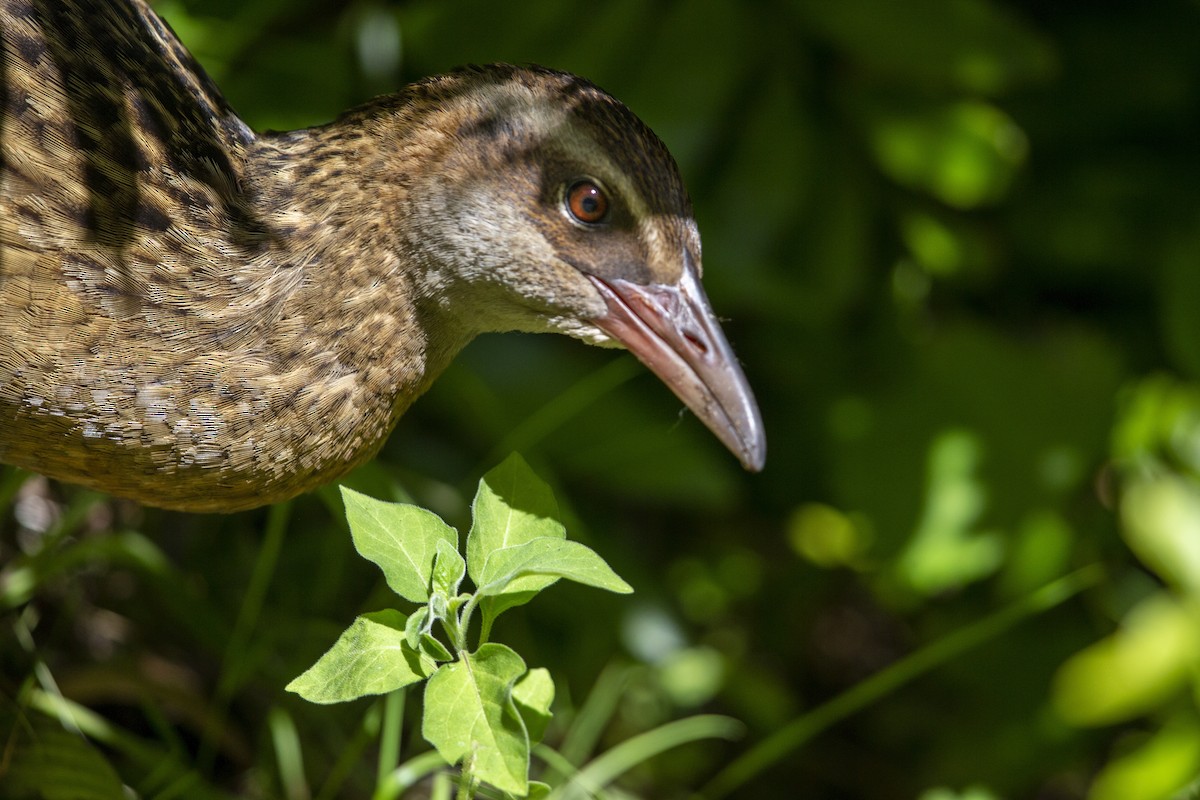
<point x="952" y="240"/>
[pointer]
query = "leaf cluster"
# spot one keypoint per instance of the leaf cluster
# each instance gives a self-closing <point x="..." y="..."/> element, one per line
<point x="483" y="706"/>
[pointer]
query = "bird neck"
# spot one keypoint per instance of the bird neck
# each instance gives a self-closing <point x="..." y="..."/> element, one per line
<point x="350" y="328"/>
<point x="344" y="211"/>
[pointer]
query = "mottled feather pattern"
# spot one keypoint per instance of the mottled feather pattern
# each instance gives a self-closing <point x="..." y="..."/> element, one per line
<point x="202" y="318"/>
<point x="128" y="189"/>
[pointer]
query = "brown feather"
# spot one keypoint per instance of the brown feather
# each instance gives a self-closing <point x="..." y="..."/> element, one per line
<point x="202" y="318"/>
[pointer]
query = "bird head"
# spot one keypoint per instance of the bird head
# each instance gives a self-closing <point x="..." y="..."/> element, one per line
<point x="554" y="208"/>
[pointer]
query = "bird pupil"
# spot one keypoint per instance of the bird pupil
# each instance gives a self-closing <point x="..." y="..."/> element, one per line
<point x="586" y="202"/>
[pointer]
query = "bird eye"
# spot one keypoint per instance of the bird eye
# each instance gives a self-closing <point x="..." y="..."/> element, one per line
<point x="587" y="202"/>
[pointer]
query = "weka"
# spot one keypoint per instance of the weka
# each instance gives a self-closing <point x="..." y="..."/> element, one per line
<point x="203" y="318"/>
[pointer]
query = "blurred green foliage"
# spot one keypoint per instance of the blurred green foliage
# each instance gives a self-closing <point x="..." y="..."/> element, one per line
<point x="957" y="243"/>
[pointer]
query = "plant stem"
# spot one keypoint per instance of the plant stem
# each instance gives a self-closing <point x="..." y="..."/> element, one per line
<point x="456" y="630"/>
<point x="604" y="769"/>
<point x="389" y="735"/>
<point x="466" y="780"/>
<point x="780" y="744"/>
<point x="289" y="755"/>
<point x="464" y="622"/>
<point x="412" y="772"/>
<point x="597" y="712"/>
<point x="441" y="787"/>
<point x="485" y="628"/>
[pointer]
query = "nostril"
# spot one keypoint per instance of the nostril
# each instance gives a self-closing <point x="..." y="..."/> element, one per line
<point x="695" y="341"/>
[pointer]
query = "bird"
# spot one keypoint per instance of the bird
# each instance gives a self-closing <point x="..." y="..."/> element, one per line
<point x="201" y="317"/>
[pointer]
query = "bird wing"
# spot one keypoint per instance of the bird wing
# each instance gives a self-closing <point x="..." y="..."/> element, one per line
<point x="122" y="197"/>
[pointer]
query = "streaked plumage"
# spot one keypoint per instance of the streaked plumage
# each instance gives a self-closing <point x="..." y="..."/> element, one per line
<point x="203" y="318"/>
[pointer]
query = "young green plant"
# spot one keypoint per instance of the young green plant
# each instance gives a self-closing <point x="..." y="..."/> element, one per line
<point x="483" y="707"/>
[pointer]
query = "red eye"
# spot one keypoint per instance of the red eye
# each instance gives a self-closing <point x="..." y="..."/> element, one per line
<point x="587" y="202"/>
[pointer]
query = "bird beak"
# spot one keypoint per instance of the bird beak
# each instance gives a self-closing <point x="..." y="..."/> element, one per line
<point x="672" y="330"/>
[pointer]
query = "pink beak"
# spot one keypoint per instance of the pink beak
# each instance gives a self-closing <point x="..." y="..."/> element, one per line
<point x="672" y="330"/>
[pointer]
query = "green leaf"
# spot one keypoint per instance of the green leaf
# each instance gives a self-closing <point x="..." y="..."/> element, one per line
<point x="370" y="657"/>
<point x="1162" y="764"/>
<point x="1134" y="670"/>
<point x="966" y="154"/>
<point x="454" y="604"/>
<point x="538" y="791"/>
<point x="557" y="557"/>
<point x="511" y="506"/>
<point x="494" y="606"/>
<point x="469" y="712"/>
<point x="41" y="760"/>
<point x="533" y="695"/>
<point x="433" y="648"/>
<point x="415" y="627"/>
<point x="608" y="766"/>
<point x="1162" y="526"/>
<point x="448" y="569"/>
<point x="401" y="539"/>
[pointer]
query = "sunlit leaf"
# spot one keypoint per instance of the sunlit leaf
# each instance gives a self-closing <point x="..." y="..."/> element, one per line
<point x="504" y="568"/>
<point x="512" y="506"/>
<point x="370" y="657"/>
<point x="448" y="569"/>
<point x="469" y="714"/>
<point x="946" y="549"/>
<point x="401" y="539"/>
<point x="826" y="536"/>
<point x="1134" y="669"/>
<point x="966" y="154"/>
<point x="533" y="694"/>
<point x="1162" y="525"/>
<point x="1159" y="768"/>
